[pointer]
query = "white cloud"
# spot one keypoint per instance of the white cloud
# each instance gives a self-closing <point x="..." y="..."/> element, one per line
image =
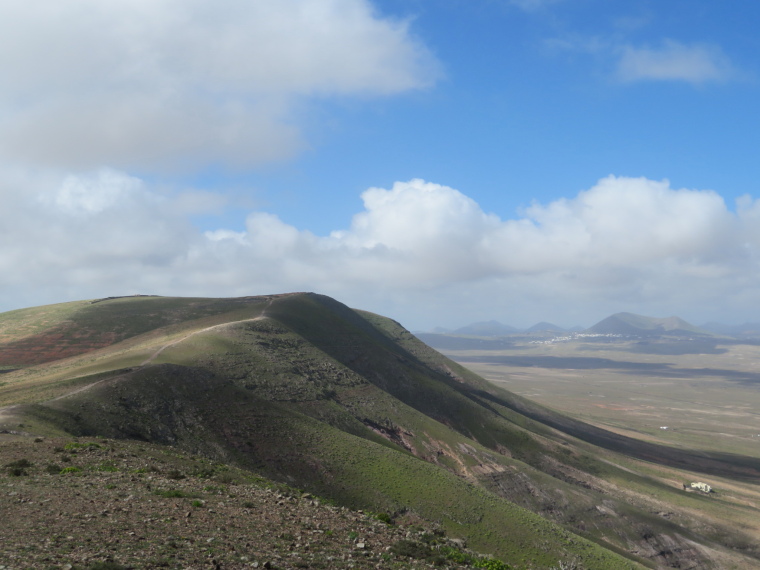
<point x="95" y="193"/>
<point x="624" y="244"/>
<point x="154" y="84"/>
<point x="675" y="61"/>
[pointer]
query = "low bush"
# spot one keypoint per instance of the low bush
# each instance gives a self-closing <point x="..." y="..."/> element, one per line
<point x="107" y="467"/>
<point x="411" y="549"/>
<point x="384" y="517"/>
<point x="18" y="468"/>
<point x="491" y="564"/>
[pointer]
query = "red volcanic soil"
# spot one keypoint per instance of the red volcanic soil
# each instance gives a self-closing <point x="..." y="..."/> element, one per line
<point x="60" y="342"/>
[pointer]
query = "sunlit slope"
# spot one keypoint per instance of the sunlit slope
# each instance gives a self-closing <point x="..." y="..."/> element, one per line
<point x="352" y="406"/>
<point x="49" y="333"/>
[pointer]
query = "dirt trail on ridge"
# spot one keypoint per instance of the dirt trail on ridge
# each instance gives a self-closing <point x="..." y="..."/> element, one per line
<point x="153" y="356"/>
<point x="5" y="413"/>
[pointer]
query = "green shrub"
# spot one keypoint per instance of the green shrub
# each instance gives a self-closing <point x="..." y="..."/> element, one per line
<point x="491" y="564"/>
<point x="456" y="555"/>
<point x="18" y="468"/>
<point x="203" y="472"/>
<point x="53" y="469"/>
<point x="72" y="469"/>
<point x="411" y="549"/>
<point x="226" y="478"/>
<point x="384" y="517"/>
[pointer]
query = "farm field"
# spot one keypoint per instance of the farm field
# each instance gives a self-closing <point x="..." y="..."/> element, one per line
<point x="707" y="396"/>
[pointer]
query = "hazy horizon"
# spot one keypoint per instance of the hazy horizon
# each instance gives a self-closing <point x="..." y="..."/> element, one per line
<point x="522" y="326"/>
<point x="436" y="162"/>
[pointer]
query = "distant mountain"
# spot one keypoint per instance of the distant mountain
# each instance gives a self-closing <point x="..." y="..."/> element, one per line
<point x="743" y="331"/>
<point x="631" y="324"/>
<point x="486" y="328"/>
<point x="543" y="326"/>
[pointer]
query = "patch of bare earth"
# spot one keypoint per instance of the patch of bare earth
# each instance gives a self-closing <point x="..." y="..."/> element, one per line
<point x="60" y="342"/>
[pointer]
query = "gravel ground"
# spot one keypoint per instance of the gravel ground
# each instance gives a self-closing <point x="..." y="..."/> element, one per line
<point x="98" y="504"/>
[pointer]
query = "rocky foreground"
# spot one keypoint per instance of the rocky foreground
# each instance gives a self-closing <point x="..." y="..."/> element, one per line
<point x="104" y="504"/>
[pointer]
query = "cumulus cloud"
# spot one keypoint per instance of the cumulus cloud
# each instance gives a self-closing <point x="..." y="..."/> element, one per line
<point x="675" y="61"/>
<point x="413" y="249"/>
<point x="154" y="84"/>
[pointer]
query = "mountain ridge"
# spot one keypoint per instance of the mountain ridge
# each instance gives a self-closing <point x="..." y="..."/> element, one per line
<point x="623" y="323"/>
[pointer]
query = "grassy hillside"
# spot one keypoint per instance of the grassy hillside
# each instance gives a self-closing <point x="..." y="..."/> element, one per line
<point x="351" y="406"/>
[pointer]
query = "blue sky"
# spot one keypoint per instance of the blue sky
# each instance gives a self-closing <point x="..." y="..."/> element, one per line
<point x="440" y="162"/>
<point x="531" y="106"/>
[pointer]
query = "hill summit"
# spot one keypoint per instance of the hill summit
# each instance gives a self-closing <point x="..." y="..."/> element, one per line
<point x="486" y="328"/>
<point x="638" y="325"/>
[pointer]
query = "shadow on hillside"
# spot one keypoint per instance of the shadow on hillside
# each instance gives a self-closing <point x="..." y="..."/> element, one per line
<point x="713" y="463"/>
<point x="370" y="353"/>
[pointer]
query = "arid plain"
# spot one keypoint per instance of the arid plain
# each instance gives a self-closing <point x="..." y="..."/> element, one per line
<point x="695" y="394"/>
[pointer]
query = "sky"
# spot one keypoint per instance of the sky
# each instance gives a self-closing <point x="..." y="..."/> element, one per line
<point x="440" y="162"/>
